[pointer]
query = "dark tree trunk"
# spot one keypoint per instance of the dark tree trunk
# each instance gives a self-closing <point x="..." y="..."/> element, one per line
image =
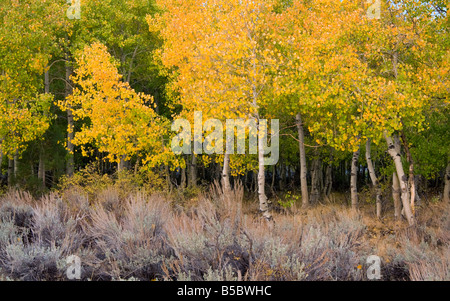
<point x="353" y="179"/>
<point x="70" y="165"/>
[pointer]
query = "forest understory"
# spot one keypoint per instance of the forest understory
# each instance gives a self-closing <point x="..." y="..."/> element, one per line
<point x="126" y="234"/>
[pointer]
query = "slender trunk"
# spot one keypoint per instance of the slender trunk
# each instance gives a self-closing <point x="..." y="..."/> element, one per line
<point x="353" y="180"/>
<point x="373" y="178"/>
<point x="402" y="179"/>
<point x="328" y="182"/>
<point x="303" y="168"/>
<point x="216" y="173"/>
<point x="168" y="181"/>
<point x="70" y="165"/>
<point x="192" y="181"/>
<point x="46" y="81"/>
<point x="41" y="168"/>
<point x="136" y="165"/>
<point x="315" y="174"/>
<point x="396" y="195"/>
<point x="397" y="191"/>
<point x="121" y="166"/>
<point x="446" y="197"/>
<point x="183" y="178"/>
<point x="412" y="182"/>
<point x="274" y="171"/>
<point x="263" y="204"/>
<point x="16" y="164"/>
<point x="10" y="172"/>
<point x="226" y="174"/>
<point x="283" y="177"/>
<point x="320" y="178"/>
<point x="255" y="181"/>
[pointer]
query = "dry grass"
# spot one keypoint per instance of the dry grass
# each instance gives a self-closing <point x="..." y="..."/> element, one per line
<point x="217" y="236"/>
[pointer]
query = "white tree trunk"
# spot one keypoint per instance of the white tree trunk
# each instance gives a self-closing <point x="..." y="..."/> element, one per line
<point x="353" y="180"/>
<point x="396" y="196"/>
<point x="226" y="187"/>
<point x="303" y="168"/>
<point x="402" y="180"/>
<point x="412" y="182"/>
<point x="373" y="178"/>
<point x="263" y="204"/>
<point x="122" y="163"/>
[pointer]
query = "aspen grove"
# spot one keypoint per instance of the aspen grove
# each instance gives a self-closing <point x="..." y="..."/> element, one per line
<point x="92" y="96"/>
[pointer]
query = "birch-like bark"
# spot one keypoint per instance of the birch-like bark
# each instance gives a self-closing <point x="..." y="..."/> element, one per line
<point x="226" y="174"/>
<point x="47" y="81"/>
<point x="263" y="204"/>
<point x="402" y="180"/>
<point x="396" y="196"/>
<point x="183" y="178"/>
<point x="315" y="181"/>
<point x="353" y="179"/>
<point x="303" y="168"/>
<point x="122" y="163"/>
<point x="411" y="179"/>
<point x="373" y="178"/>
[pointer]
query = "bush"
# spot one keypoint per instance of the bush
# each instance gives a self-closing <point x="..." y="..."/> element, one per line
<point x="209" y="241"/>
<point x="87" y="181"/>
<point x="144" y="237"/>
<point x="34" y="240"/>
<point x="131" y="245"/>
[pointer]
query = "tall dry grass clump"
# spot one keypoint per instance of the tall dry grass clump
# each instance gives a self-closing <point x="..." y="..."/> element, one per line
<point x="132" y="243"/>
<point x="36" y="236"/>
